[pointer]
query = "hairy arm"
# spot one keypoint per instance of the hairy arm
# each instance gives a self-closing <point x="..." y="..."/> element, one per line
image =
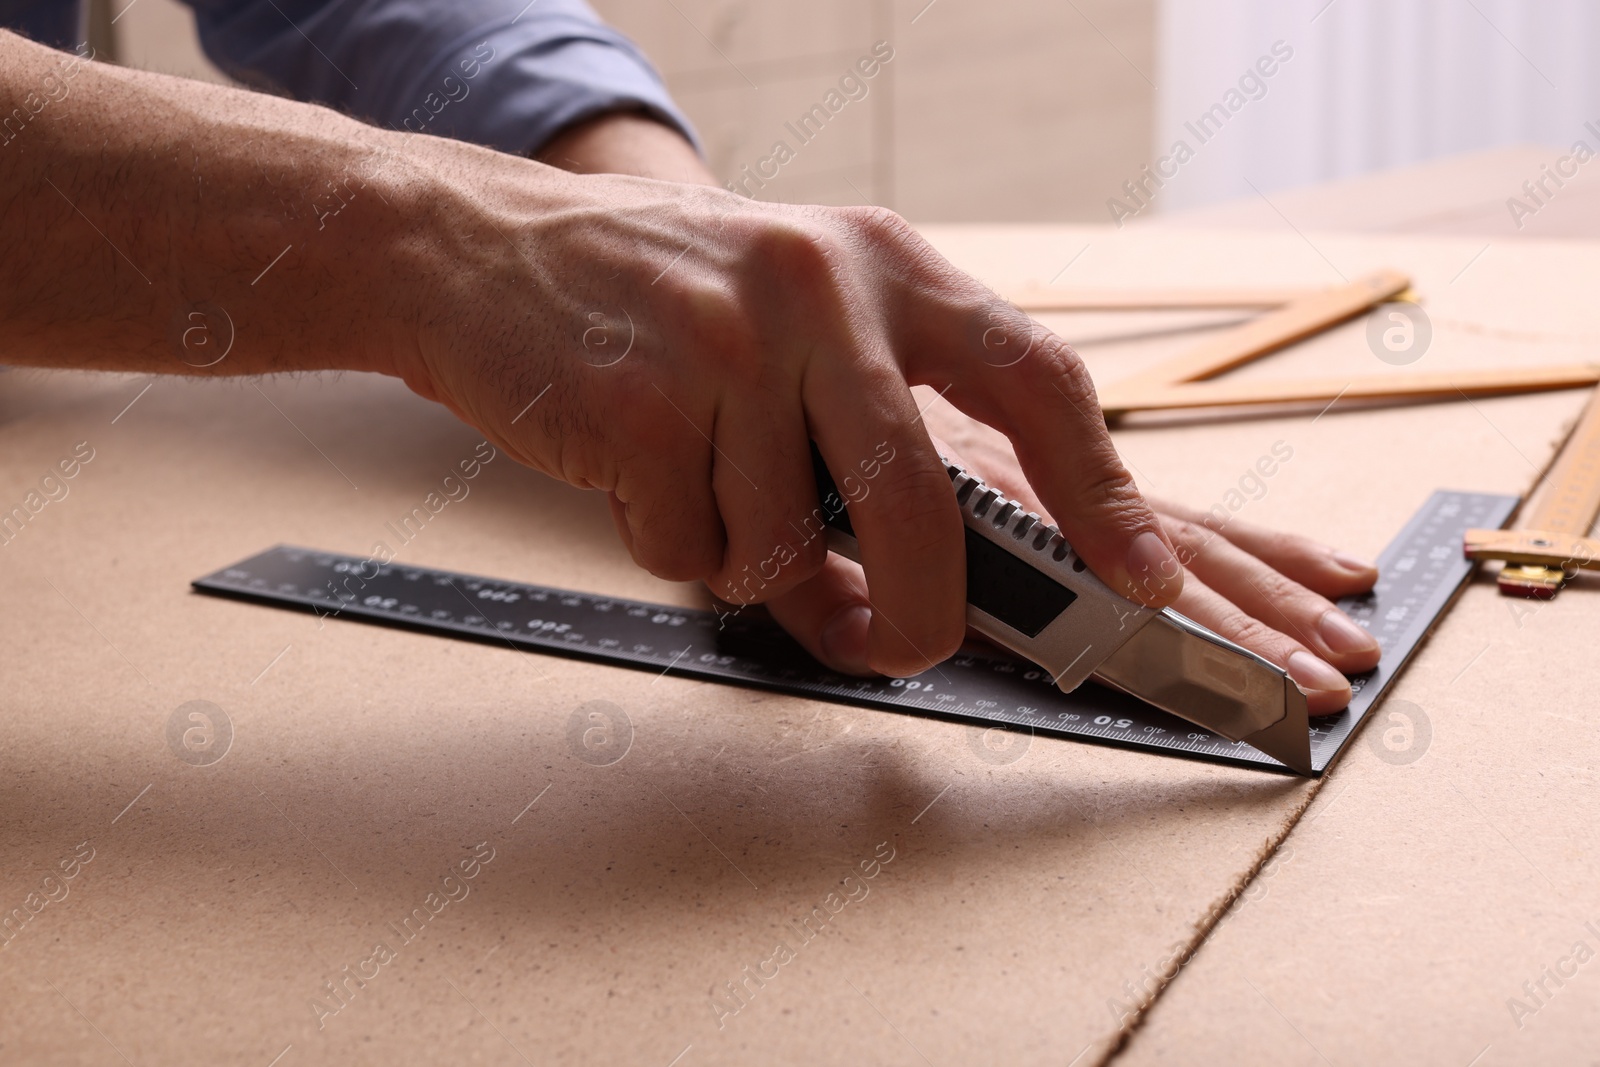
<point x="132" y="199"/>
<point x="151" y="220"/>
<point x="729" y="332"/>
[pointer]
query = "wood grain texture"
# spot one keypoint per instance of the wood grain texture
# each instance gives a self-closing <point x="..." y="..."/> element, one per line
<point x="1452" y="385"/>
<point x="1550" y="548"/>
<point x="1571" y="496"/>
<point x="1277" y="329"/>
<point x="1048" y="298"/>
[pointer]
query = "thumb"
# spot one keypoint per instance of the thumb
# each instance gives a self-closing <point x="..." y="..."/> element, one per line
<point x="829" y="615"/>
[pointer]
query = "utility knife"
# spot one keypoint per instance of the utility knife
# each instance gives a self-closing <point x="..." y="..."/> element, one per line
<point x="1029" y="592"/>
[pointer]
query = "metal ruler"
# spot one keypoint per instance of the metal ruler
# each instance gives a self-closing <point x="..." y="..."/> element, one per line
<point x="1422" y="571"/>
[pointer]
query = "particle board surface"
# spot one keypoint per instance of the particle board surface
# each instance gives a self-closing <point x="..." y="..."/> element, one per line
<point x="1436" y="905"/>
<point x="610" y="905"/>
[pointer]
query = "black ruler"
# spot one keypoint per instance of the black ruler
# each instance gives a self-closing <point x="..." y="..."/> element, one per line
<point x="1422" y="571"/>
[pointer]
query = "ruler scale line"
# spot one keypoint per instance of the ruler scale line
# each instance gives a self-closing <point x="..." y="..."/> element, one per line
<point x="1421" y="572"/>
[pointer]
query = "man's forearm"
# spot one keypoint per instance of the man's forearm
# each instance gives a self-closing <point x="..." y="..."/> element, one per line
<point x="146" y="218"/>
<point x="690" y="341"/>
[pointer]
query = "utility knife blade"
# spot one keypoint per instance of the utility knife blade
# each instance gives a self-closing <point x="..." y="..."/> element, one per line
<point x="1029" y="592"/>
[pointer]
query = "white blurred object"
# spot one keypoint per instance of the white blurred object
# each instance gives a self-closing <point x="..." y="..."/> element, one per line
<point x="1372" y="84"/>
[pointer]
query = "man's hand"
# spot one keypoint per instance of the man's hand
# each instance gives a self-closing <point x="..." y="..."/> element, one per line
<point x="1265" y="590"/>
<point x="1260" y="588"/>
<point x="679" y="347"/>
<point x="673" y="345"/>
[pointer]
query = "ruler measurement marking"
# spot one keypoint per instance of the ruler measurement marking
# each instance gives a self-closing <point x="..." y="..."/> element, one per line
<point x="985" y="688"/>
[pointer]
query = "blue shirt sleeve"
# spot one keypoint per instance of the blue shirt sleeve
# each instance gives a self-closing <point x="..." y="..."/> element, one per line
<point x="508" y="74"/>
<point x="59" y="24"/>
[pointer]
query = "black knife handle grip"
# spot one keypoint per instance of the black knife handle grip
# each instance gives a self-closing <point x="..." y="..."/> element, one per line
<point x="1012" y="586"/>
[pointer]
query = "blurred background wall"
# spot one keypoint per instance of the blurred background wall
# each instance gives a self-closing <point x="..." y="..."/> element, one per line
<point x="990" y="109"/>
<point x="1010" y="110"/>
<point x="1372" y="84"/>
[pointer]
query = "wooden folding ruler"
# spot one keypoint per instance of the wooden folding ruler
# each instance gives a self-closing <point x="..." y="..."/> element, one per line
<point x="1294" y="315"/>
<point x="1553" y="542"/>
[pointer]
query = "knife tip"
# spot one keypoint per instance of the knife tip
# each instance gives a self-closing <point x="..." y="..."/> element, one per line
<point x="1289" y="739"/>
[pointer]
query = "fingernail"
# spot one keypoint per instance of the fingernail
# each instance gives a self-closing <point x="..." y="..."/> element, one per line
<point x="844" y="640"/>
<point x="1341" y="634"/>
<point x="1353" y="563"/>
<point x="1309" y="672"/>
<point x="1151" y="565"/>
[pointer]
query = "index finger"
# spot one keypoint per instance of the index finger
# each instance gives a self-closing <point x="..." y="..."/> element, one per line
<point x="1002" y="368"/>
<point x="1028" y="383"/>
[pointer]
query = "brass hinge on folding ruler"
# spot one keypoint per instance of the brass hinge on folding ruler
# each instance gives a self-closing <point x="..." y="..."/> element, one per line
<point x="1552" y="543"/>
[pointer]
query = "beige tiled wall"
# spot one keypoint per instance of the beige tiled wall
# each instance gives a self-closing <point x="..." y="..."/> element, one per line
<point x="1019" y="110"/>
<point x="990" y="110"/>
<point x="742" y="69"/>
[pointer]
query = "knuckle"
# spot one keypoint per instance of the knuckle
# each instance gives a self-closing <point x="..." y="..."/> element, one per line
<point x="894" y="243"/>
<point x="1112" y="495"/>
<point x="796" y="249"/>
<point x="685" y="560"/>
<point x="877" y="382"/>
<point x="1279" y="590"/>
<point x="1060" y="366"/>
<point x="884" y="226"/>
<point x="1189" y="539"/>
<point x="1182" y="531"/>
<point x="889" y="241"/>
<point x="1001" y="333"/>
<point x="722" y="329"/>
<point x="924" y="512"/>
<point x="1064" y="370"/>
<point x="1053" y="365"/>
<point x="1260" y="638"/>
<point x="713" y="306"/>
